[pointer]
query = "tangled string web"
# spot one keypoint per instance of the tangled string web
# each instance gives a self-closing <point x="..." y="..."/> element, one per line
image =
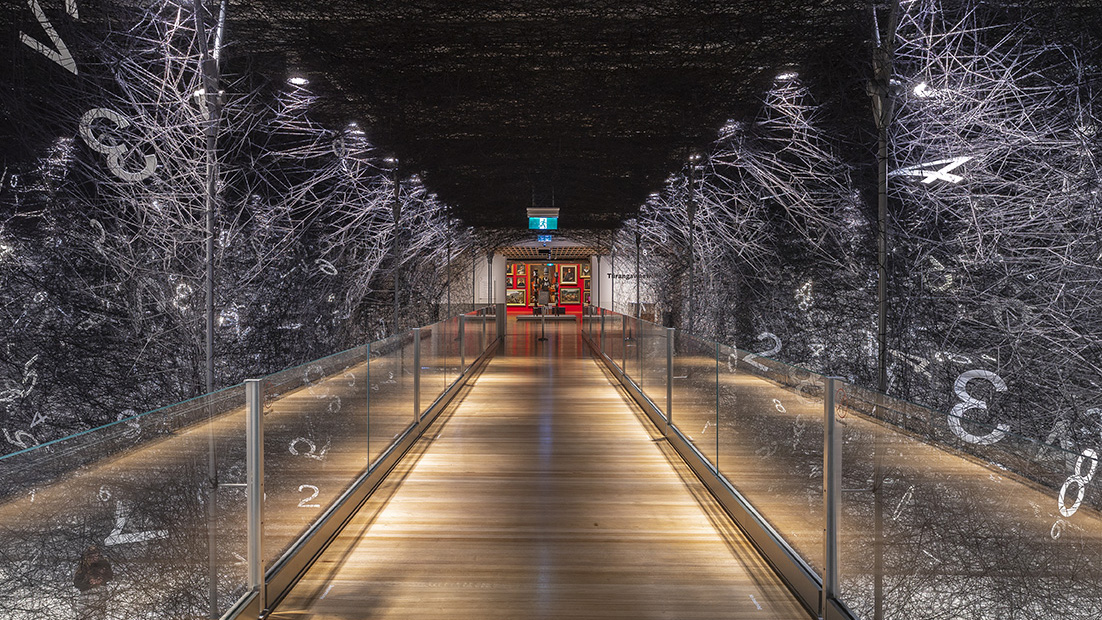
<point x="777" y="223"/>
<point x="102" y="236"/>
<point x="995" y="177"/>
<point x="995" y="254"/>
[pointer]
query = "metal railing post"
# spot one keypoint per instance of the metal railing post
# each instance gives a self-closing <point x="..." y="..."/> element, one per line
<point x="416" y="375"/>
<point x="254" y="466"/>
<point x="367" y="396"/>
<point x="623" y="345"/>
<point x="717" y="408"/>
<point x="670" y="332"/>
<point x="832" y="488"/>
<point x="603" y="342"/>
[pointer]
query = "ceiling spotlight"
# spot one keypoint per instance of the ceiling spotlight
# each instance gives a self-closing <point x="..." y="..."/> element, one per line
<point x="299" y="81"/>
<point x="923" y="90"/>
<point x="390" y="160"/>
<point x="787" y="76"/>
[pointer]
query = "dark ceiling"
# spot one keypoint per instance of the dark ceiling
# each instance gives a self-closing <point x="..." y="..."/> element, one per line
<point x="587" y="106"/>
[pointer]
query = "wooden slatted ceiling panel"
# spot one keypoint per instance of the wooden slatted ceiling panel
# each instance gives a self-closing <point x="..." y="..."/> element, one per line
<point x="533" y="253"/>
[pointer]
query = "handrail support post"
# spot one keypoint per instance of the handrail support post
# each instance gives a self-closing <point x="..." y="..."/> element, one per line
<point x="670" y="334"/>
<point x="416" y="375"/>
<point x="832" y="488"/>
<point x="254" y="466"/>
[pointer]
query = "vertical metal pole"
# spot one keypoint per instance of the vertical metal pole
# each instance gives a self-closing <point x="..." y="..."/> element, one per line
<point x="462" y="346"/>
<point x="670" y="334"/>
<point x="254" y="466"/>
<point x="612" y="279"/>
<point x="449" y="249"/>
<point x="210" y="73"/>
<point x="367" y="385"/>
<point x="604" y="343"/>
<point x="596" y="282"/>
<point x="883" y="108"/>
<point x="638" y="247"/>
<point x="717" y="407"/>
<point x="623" y="345"/>
<point x="687" y="322"/>
<point x="489" y="278"/>
<point x="416" y="375"/>
<point x="396" y="211"/>
<point x="832" y="488"/>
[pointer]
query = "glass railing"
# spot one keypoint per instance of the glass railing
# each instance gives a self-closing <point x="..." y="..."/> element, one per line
<point x="940" y="516"/>
<point x="147" y="517"/>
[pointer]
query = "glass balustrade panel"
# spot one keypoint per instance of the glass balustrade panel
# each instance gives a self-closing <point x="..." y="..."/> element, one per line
<point x="315" y="442"/>
<point x="955" y="516"/>
<point x="125" y="521"/>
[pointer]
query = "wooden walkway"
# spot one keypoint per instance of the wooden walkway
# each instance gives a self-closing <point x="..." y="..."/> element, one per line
<point x="541" y="493"/>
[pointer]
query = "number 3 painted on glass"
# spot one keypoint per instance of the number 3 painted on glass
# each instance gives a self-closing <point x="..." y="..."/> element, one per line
<point x="968" y="402"/>
<point x="114" y="152"/>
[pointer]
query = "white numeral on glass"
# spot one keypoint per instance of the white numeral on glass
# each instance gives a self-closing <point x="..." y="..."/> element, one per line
<point x="116" y="537"/>
<point x="1080" y="480"/>
<point x="968" y="402"/>
<point x="114" y="152"/>
<point x="304" y="502"/>
<point x="775" y="349"/>
<point x="59" y="53"/>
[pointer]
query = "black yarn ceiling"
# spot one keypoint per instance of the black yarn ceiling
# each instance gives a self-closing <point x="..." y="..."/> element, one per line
<point x="587" y="106"/>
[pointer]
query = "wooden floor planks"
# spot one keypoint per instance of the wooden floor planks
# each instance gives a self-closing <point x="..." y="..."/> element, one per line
<point x="541" y="494"/>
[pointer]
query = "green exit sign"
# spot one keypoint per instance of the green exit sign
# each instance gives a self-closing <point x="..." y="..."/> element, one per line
<point x="543" y="223"/>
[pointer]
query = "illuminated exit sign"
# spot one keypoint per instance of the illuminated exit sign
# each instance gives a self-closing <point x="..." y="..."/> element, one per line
<point x="543" y="223"/>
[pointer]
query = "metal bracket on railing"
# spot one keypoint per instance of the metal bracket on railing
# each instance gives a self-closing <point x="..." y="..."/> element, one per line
<point x="832" y="489"/>
<point x="416" y="375"/>
<point x="254" y="466"/>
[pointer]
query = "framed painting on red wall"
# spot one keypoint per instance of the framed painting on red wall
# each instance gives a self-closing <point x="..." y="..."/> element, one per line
<point x="570" y="296"/>
<point x="568" y="274"/>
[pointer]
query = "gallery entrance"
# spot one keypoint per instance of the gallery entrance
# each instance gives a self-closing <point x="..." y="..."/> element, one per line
<point x="556" y="287"/>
